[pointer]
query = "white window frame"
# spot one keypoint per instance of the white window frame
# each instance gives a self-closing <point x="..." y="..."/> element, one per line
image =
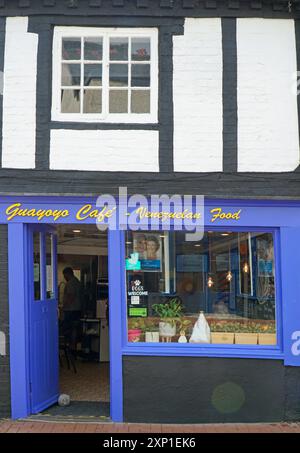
<point x="105" y="116"/>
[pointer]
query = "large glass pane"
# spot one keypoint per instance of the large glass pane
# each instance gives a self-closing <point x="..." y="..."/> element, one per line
<point x="70" y="74"/>
<point x="218" y="290"/>
<point x="92" y="102"/>
<point x="118" y="49"/>
<point x="93" y="74"/>
<point x="140" y="101"/>
<point x="37" y="266"/>
<point x="140" y="49"/>
<point x="93" y="49"/>
<point x="49" y="267"/>
<point x="70" y="101"/>
<point x="71" y="48"/>
<point x="140" y="75"/>
<point x="118" y="75"/>
<point x="118" y="101"/>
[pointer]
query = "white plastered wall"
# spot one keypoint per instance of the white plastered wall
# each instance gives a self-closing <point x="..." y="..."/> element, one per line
<point x="19" y="95"/>
<point x="268" y="138"/>
<point x="104" y="150"/>
<point x="197" y="88"/>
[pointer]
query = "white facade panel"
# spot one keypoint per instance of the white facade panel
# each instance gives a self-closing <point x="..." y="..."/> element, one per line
<point x="19" y="95"/>
<point x="104" y="150"/>
<point x="197" y="88"/>
<point x="268" y="138"/>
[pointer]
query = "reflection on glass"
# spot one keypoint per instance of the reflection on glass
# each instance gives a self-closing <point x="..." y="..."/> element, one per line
<point x="92" y="74"/>
<point x="140" y="101"/>
<point x="92" y="101"/>
<point x="49" y="267"/>
<point x="245" y="264"/>
<point x="118" y="101"/>
<point x="70" y="74"/>
<point x="118" y="49"/>
<point x="36" y="266"/>
<point x="140" y="49"/>
<point x="71" y="48"/>
<point x="93" y="49"/>
<point x="140" y="75"/>
<point x="207" y="276"/>
<point x="70" y="101"/>
<point x="118" y="75"/>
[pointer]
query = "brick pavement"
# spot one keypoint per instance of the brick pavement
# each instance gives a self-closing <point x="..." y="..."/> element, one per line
<point x="8" y="426"/>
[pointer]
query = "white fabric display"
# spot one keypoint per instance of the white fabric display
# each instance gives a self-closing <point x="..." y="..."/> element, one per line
<point x="182" y="339"/>
<point x="201" y="330"/>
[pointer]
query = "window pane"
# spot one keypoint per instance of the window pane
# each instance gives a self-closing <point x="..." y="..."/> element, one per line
<point x="140" y="101"/>
<point x="140" y="75"/>
<point x="71" y="48"/>
<point x="93" y="74"/>
<point x="70" y="74"/>
<point x="118" y="75"/>
<point x="93" y="48"/>
<point x="171" y="281"/>
<point x="118" y="49"/>
<point x="118" y="101"/>
<point x="70" y="101"/>
<point x="49" y="267"/>
<point x="140" y="49"/>
<point x="36" y="266"/>
<point x="92" y="102"/>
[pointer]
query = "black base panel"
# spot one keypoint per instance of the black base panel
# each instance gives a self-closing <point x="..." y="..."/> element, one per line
<point x="203" y="390"/>
<point x="87" y="410"/>
<point x="5" y="408"/>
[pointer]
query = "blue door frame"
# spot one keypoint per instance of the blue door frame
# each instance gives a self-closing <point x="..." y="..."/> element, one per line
<point x="282" y="217"/>
<point x="19" y="320"/>
<point x="43" y="322"/>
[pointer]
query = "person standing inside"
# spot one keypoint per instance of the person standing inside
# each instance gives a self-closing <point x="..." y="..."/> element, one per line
<point x="72" y="306"/>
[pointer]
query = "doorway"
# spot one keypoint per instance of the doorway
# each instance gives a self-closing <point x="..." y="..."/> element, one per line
<point x="79" y="261"/>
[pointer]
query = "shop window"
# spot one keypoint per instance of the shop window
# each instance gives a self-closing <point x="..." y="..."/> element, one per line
<point x="49" y="266"/>
<point x="37" y="243"/>
<point x="219" y="290"/>
<point x="105" y="75"/>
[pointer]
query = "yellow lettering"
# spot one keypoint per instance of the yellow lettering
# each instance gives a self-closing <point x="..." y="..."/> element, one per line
<point x="217" y="212"/>
<point x="101" y="214"/>
<point x="236" y="215"/>
<point x="83" y="212"/>
<point x="40" y="214"/>
<point x="110" y="212"/>
<point x="12" y="210"/>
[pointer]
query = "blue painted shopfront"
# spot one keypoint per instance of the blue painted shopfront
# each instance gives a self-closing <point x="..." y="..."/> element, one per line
<point x="282" y="218"/>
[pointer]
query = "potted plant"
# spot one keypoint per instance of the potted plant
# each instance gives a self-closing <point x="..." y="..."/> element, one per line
<point x="246" y="333"/>
<point x="151" y="332"/>
<point x="169" y="313"/>
<point x="267" y="334"/>
<point x="134" y="330"/>
<point x="222" y="332"/>
<point x="184" y="324"/>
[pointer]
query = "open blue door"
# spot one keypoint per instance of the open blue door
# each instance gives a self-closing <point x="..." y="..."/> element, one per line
<point x="43" y="318"/>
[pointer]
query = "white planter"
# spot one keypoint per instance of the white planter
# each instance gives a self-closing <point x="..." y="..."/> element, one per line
<point x="166" y="329"/>
<point x="152" y="337"/>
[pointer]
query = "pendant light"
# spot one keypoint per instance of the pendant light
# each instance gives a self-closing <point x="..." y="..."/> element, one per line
<point x="246" y="268"/>
<point x="229" y="273"/>
<point x="210" y="280"/>
<point x="229" y="276"/>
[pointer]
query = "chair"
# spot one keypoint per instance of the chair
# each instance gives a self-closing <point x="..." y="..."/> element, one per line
<point x="64" y="347"/>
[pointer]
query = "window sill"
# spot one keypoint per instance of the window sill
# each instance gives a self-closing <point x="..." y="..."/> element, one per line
<point x="111" y="119"/>
<point x="209" y="350"/>
<point x="82" y="125"/>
